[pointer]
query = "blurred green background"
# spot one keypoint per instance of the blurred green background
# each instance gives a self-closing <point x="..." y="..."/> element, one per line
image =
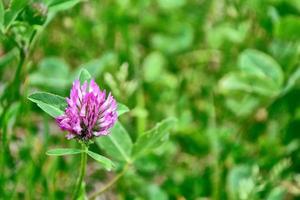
<point x="228" y="70"/>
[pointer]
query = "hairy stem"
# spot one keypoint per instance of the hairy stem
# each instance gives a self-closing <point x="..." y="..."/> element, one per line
<point x="82" y="171"/>
<point x="110" y="184"/>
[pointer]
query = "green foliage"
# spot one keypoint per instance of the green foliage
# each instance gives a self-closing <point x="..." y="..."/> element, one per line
<point x="292" y="81"/>
<point x="261" y="65"/>
<point x="227" y="70"/>
<point x="247" y="83"/>
<point x="286" y="28"/>
<point x="84" y="76"/>
<point x="101" y="159"/>
<point x="117" y="144"/>
<point x="1" y="14"/>
<point x="153" y="65"/>
<point x="153" y="138"/>
<point x="53" y="105"/>
<point x="59" y="5"/>
<point x="52" y="73"/>
<point x="63" y="152"/>
<point x="122" y="109"/>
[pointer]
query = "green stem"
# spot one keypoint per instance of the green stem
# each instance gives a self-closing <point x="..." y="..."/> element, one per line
<point x="82" y="171"/>
<point x="111" y="183"/>
<point x="215" y="151"/>
<point x="7" y="100"/>
<point x="141" y="120"/>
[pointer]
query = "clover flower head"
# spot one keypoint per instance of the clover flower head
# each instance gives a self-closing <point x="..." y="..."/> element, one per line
<point x="90" y="113"/>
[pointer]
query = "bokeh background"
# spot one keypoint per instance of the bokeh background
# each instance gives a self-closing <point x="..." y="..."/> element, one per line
<point x="228" y="70"/>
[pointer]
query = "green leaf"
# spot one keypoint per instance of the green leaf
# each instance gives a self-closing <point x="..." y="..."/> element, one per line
<point x="53" y="105"/>
<point x="122" y="109"/>
<point x="48" y="98"/>
<point x="277" y="193"/>
<point x="153" y="65"/>
<point x="247" y="83"/>
<point x="107" y="163"/>
<point x="53" y="73"/>
<point x="96" y="66"/>
<point x="51" y="110"/>
<point x="236" y="175"/>
<point x="153" y="138"/>
<point x="35" y="14"/>
<point x="84" y="76"/>
<point x="1" y="14"/>
<point x="242" y="106"/>
<point x="294" y="3"/>
<point x="11" y="114"/>
<point x="63" y="152"/>
<point x="260" y="64"/>
<point x="117" y="144"/>
<point x="292" y="81"/>
<point x="8" y="57"/>
<point x="60" y="5"/>
<point x="16" y="6"/>
<point x="288" y="28"/>
<point x="227" y="32"/>
<point x="180" y="40"/>
<point x="170" y="4"/>
<point x="154" y="192"/>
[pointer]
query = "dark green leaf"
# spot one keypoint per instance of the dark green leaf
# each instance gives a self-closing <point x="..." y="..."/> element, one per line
<point x="292" y="81"/>
<point x="16" y="6"/>
<point x="12" y="113"/>
<point x="153" y="138"/>
<point x="8" y="57"/>
<point x="107" y="163"/>
<point x="60" y="5"/>
<point x="117" y="144"/>
<point x="288" y="28"/>
<point x="52" y="104"/>
<point x="63" y="152"/>
<point x="49" y="98"/>
<point x="50" y="110"/>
